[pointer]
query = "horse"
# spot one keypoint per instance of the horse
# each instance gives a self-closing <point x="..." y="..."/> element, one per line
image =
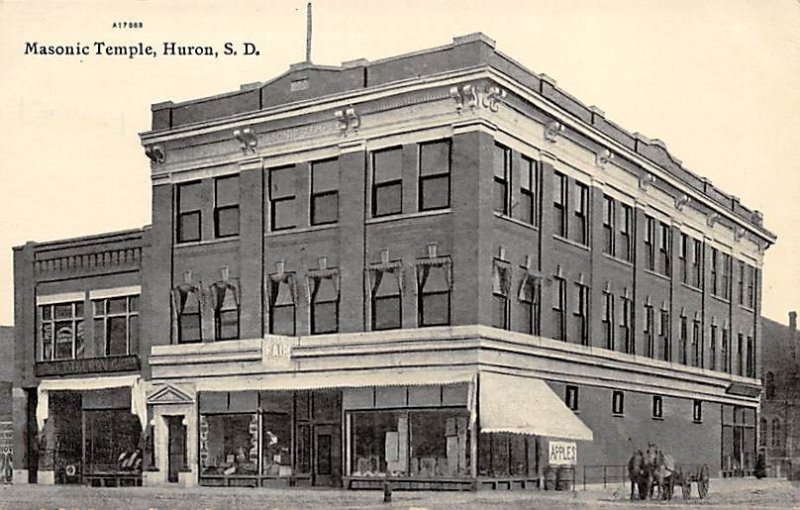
<point x="663" y="474"/>
<point x="639" y="474"/>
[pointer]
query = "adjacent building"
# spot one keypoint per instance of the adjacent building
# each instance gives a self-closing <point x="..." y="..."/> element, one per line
<point x="6" y="404"/>
<point x="437" y="267"/>
<point x="780" y="401"/>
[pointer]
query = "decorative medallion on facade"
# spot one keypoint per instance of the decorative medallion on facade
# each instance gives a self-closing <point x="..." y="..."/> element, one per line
<point x="739" y="232"/>
<point x="471" y="96"/>
<point x="646" y="180"/>
<point x="348" y="119"/>
<point x="712" y="219"/>
<point x="603" y="158"/>
<point x="681" y="201"/>
<point x="155" y="154"/>
<point x="552" y="130"/>
<point x="247" y="137"/>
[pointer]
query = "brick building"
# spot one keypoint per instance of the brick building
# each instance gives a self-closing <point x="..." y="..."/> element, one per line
<point x="780" y="401"/>
<point x="6" y="403"/>
<point x="432" y="267"/>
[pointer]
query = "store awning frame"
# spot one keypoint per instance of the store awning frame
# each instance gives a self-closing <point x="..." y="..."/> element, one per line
<point x="525" y="405"/>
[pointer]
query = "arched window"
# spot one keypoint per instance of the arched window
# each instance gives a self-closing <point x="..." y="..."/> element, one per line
<point x="762" y="440"/>
<point x="776" y="432"/>
<point x="769" y="386"/>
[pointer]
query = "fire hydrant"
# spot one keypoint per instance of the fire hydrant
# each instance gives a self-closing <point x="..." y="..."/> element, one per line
<point x="387" y="491"/>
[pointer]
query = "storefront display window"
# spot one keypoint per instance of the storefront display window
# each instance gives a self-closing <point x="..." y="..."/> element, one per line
<point x="423" y="444"/>
<point x="112" y="441"/>
<point x="276" y="444"/>
<point x="507" y="455"/>
<point x="229" y="444"/>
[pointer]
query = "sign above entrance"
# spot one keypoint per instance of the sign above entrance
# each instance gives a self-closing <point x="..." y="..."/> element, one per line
<point x="277" y="351"/>
<point x="563" y="453"/>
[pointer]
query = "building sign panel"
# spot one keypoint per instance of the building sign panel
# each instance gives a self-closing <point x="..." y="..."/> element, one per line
<point x="563" y="453"/>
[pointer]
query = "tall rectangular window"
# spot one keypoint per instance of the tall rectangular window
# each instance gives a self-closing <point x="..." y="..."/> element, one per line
<point x="618" y="403"/>
<point x="581" y="227"/>
<point x="697" y="411"/>
<point x="61" y="331"/>
<point x="608" y="320"/>
<point x="189" y="318"/>
<point x="501" y="287"/>
<point x="282" y="198"/>
<point x="324" y="304"/>
<point x="282" y="306"/>
<point x="740" y="355"/>
<point x="666" y="338"/>
<point x="714" y="272"/>
<point x="387" y="182"/>
<point x="560" y="309"/>
<point x="697" y="263"/>
<point x="624" y="246"/>
<point x="190" y="216"/>
<point x="530" y="306"/>
<point x="571" y="397"/>
<point x="649" y="243"/>
<point x="434" y="175"/>
<point x="725" y="351"/>
<point x="658" y="407"/>
<point x="684" y="340"/>
<point x="528" y="210"/>
<point x="626" y="320"/>
<point x="740" y="283"/>
<point x="751" y="357"/>
<point x="697" y="344"/>
<point x="502" y="179"/>
<point x="560" y="204"/>
<point x="226" y="206"/>
<point x="751" y="285"/>
<point x="325" y="192"/>
<point x="608" y="225"/>
<point x="726" y="276"/>
<point x="712" y="360"/>
<point x="649" y="330"/>
<point x="386" y="303"/>
<point x="225" y="302"/>
<point x="683" y="256"/>
<point x="664" y="250"/>
<point x="433" y="294"/>
<point x="116" y="325"/>
<point x="582" y="313"/>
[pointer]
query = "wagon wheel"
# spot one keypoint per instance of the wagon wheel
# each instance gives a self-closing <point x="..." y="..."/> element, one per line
<point x="703" y="482"/>
<point x="686" y="486"/>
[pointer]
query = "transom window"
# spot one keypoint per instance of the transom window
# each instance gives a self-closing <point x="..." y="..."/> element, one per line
<point x="387" y="182"/>
<point x="116" y="325"/>
<point x="61" y="331"/>
<point x="190" y="217"/>
<point x="226" y="206"/>
<point x="434" y="175"/>
<point x="325" y="192"/>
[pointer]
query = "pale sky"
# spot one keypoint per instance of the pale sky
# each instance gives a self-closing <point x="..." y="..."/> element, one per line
<point x="717" y="80"/>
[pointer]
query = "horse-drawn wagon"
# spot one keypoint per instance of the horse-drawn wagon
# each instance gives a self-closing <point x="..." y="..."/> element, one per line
<point x="654" y="469"/>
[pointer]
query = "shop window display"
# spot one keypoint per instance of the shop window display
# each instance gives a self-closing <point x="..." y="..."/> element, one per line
<point x="276" y="444"/>
<point x="229" y="444"/>
<point x="423" y="444"/>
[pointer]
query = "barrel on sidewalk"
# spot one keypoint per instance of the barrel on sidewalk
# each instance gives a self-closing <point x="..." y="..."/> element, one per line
<point x="565" y="478"/>
<point x="549" y="478"/>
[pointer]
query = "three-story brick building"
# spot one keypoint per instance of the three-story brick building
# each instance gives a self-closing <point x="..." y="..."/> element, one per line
<point x="427" y="268"/>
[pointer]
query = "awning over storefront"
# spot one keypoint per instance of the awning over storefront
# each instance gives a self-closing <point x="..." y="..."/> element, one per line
<point x="523" y="405"/>
<point x="134" y="382"/>
<point x="343" y="379"/>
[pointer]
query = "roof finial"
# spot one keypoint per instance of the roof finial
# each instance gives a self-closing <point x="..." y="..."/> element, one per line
<point x="308" y="32"/>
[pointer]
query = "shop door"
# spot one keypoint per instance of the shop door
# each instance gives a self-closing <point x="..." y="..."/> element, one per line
<point x="176" y="455"/>
<point x="327" y="456"/>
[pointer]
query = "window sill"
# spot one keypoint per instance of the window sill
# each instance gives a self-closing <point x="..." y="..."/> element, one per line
<point x="516" y="221"/>
<point x="219" y="240"/>
<point x="747" y="308"/>
<point x="571" y="242"/>
<point x="618" y="260"/>
<point x="407" y="216"/>
<point x="618" y="415"/>
<point x="657" y="275"/>
<point x="289" y="231"/>
<point x="689" y="286"/>
<point x="657" y="418"/>
<point x="720" y="299"/>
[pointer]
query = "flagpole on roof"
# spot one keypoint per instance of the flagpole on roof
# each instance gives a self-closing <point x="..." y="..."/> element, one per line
<point x="308" y="32"/>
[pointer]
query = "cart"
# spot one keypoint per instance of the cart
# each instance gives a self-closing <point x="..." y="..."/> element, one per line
<point x="697" y="474"/>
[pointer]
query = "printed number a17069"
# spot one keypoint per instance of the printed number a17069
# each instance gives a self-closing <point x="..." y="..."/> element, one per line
<point x="127" y="24"/>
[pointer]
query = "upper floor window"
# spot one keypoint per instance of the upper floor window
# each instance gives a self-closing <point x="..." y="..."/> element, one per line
<point x="624" y="246"/>
<point x="750" y="298"/>
<point x="225" y="303"/>
<point x="608" y="320"/>
<point x="683" y="258"/>
<point x="666" y="337"/>
<point x="712" y="344"/>
<point x="626" y="319"/>
<point x="769" y="386"/>
<point x="530" y="296"/>
<point x="61" y="331"/>
<point x="434" y="175"/>
<point x="571" y="397"/>
<point x="387" y="309"/>
<point x="560" y="204"/>
<point x="186" y="307"/>
<point x="324" y="302"/>
<point x="325" y="192"/>
<point x="658" y="407"/>
<point x="750" y="369"/>
<point x="740" y="355"/>
<point x="649" y="330"/>
<point x="433" y="292"/>
<point x="608" y="225"/>
<point x="697" y="411"/>
<point x="190" y="217"/>
<point x="560" y="309"/>
<point x="649" y="243"/>
<point x="697" y="263"/>
<point x="725" y="351"/>
<point x="740" y="283"/>
<point x="116" y="324"/>
<point x="226" y="206"/>
<point x="581" y="228"/>
<point x="502" y="179"/>
<point x="664" y="247"/>
<point x="582" y="312"/>
<point x="282" y="304"/>
<point x="501" y="288"/>
<point x="282" y="198"/>
<point x="697" y="343"/>
<point x="777" y="435"/>
<point x="726" y="276"/>
<point x="684" y="339"/>
<point x="714" y="272"/>
<point x="528" y="210"/>
<point x="387" y="182"/>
